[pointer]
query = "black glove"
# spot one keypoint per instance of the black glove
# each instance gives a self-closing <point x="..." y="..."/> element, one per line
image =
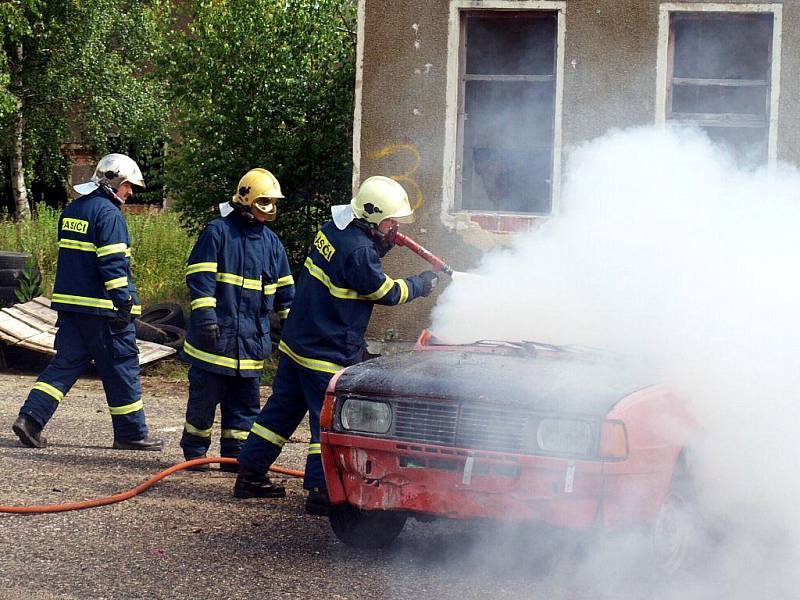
<point x="122" y="316"/>
<point x="429" y="281"/>
<point x="207" y="335"/>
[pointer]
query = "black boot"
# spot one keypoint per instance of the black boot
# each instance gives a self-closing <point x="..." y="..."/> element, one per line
<point x="201" y="468"/>
<point x="29" y="432"/>
<point x="250" y="484"/>
<point x="148" y="443"/>
<point x="317" y="502"/>
<point x="227" y="467"/>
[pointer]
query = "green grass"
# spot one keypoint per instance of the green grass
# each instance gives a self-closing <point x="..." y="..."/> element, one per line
<point x="160" y="247"/>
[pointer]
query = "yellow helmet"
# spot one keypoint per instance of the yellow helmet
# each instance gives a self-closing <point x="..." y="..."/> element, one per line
<point x="256" y="186"/>
<point x="381" y="198"/>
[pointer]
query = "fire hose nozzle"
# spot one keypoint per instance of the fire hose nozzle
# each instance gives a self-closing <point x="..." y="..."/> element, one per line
<point x="437" y="263"/>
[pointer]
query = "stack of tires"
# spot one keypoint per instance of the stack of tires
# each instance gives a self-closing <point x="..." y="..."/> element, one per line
<point x="12" y="264"/>
<point x="163" y="324"/>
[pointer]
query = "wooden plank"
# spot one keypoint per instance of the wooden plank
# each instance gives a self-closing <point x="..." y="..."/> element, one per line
<point x="29" y="320"/>
<point x="18" y="329"/>
<point x="40" y="311"/>
<point x="32" y="325"/>
<point x="8" y="338"/>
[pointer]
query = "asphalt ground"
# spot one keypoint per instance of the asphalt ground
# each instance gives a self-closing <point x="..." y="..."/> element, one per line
<point x="189" y="538"/>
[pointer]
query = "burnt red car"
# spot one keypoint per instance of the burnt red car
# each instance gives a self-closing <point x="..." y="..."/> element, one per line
<point x="507" y="431"/>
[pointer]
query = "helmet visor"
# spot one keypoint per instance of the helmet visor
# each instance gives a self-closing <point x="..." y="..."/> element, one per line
<point x="267" y="206"/>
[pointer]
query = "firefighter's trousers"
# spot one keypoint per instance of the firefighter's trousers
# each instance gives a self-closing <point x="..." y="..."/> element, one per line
<point x="80" y="339"/>
<point x="238" y="401"/>
<point x="295" y="391"/>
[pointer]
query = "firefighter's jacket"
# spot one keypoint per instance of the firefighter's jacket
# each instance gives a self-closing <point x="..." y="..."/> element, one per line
<point x="237" y="273"/>
<point x="94" y="258"/>
<point x="341" y="281"/>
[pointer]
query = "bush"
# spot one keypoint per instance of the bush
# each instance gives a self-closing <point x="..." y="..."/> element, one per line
<point x="160" y="249"/>
<point x="262" y="83"/>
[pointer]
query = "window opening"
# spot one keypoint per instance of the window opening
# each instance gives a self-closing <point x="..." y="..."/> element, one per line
<point x="507" y="103"/>
<point x="719" y="78"/>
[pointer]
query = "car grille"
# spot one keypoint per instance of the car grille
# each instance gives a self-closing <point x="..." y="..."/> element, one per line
<point x="479" y="427"/>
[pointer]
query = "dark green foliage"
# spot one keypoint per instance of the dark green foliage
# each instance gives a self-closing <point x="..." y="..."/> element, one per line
<point x="86" y="75"/>
<point x="264" y="83"/>
<point x="30" y="284"/>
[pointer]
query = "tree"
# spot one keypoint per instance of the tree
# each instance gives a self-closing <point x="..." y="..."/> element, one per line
<point x="263" y="83"/>
<point x="76" y="70"/>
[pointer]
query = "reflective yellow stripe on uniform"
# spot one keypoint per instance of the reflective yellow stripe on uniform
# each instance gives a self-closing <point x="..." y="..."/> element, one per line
<point x="283" y="313"/>
<point x="119" y="282"/>
<point x="251" y="365"/>
<point x="287" y="280"/>
<point x="309" y="363"/>
<point x="136" y="309"/>
<point x="314" y="449"/>
<point x="204" y="302"/>
<point x="401" y="283"/>
<point x="48" y="389"/>
<point x="76" y="245"/>
<point x="126" y="409"/>
<point x="223" y="361"/>
<point x="235" y="434"/>
<point x="387" y="285"/>
<point x="213" y="359"/>
<point x="191" y="429"/>
<point x="112" y="249"/>
<point x="270" y="289"/>
<point x="268" y="435"/>
<point x="83" y="301"/>
<point x="248" y="284"/>
<point x="202" y="267"/>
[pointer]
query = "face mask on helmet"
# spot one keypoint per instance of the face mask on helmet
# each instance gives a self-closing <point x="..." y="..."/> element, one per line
<point x="383" y="241"/>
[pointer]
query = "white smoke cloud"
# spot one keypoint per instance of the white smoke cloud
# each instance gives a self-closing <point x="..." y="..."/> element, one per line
<point x="664" y="249"/>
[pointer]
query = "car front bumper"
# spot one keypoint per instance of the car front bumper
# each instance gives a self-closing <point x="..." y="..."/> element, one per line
<point x="426" y="479"/>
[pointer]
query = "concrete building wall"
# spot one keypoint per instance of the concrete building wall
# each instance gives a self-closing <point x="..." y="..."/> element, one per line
<point x="609" y="80"/>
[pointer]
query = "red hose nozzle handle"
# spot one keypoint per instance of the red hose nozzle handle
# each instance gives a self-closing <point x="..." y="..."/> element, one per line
<point x="437" y="263"/>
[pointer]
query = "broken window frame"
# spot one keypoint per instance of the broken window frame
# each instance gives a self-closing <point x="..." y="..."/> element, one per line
<point x="454" y="133"/>
<point x="666" y="80"/>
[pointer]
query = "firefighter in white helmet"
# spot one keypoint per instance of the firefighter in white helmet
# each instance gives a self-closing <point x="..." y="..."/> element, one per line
<point x="237" y="274"/>
<point x="96" y="301"/>
<point x="341" y="281"/>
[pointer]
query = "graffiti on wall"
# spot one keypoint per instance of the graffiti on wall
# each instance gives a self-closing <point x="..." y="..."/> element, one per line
<point x="406" y="177"/>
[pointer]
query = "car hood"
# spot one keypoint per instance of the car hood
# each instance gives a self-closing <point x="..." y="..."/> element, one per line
<point x="562" y="383"/>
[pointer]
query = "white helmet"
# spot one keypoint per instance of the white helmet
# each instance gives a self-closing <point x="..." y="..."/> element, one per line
<point x="377" y="199"/>
<point x="113" y="169"/>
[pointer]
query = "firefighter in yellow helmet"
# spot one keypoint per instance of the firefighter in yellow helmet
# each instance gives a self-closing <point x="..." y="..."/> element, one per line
<point x="340" y="283"/>
<point x="237" y="274"/>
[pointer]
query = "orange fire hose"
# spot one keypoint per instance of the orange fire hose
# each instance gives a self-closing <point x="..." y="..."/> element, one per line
<point x="53" y="508"/>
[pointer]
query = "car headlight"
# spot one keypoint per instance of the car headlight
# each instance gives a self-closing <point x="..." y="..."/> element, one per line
<point x="566" y="436"/>
<point x="366" y="416"/>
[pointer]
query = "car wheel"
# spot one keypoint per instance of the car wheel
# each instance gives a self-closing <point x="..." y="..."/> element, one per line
<point x="14" y="260"/>
<point x="10" y="277"/>
<point x="175" y="336"/>
<point x="365" y="529"/>
<point x="675" y="530"/>
<point x="149" y="333"/>
<point x="8" y="296"/>
<point x="166" y="313"/>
